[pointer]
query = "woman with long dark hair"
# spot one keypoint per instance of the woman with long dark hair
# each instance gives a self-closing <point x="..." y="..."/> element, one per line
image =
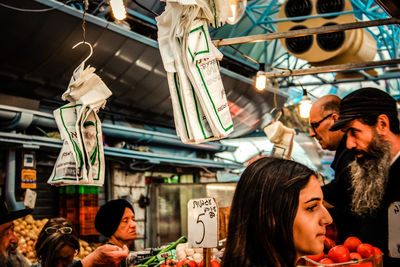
<point x="57" y="244"/>
<point x="277" y="215"/>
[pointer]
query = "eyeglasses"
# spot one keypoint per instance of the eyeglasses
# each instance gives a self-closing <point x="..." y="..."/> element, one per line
<point x="315" y="125"/>
<point x="63" y="230"/>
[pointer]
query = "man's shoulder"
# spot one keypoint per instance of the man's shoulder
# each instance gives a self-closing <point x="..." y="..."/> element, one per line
<point x="343" y="156"/>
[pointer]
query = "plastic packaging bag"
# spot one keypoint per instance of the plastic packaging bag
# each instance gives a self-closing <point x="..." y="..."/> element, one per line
<point x="81" y="160"/>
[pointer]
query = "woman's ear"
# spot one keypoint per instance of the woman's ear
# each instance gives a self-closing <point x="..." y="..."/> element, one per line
<point x="383" y="124"/>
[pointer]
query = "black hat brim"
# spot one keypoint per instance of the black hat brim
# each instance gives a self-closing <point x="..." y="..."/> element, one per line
<point x="340" y="124"/>
<point x="13" y="215"/>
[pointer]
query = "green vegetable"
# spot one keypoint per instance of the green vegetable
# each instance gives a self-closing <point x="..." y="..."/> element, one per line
<point x="172" y="245"/>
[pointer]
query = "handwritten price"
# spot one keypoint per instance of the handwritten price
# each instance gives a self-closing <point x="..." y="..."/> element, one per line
<point x="202" y="222"/>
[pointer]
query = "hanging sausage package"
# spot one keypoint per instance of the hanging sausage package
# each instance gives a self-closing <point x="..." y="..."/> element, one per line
<point x="81" y="160"/>
<point x="202" y="68"/>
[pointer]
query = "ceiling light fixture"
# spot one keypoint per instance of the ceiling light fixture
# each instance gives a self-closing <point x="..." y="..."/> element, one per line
<point x="261" y="79"/>
<point x="118" y="9"/>
<point x="237" y="7"/>
<point x="305" y="105"/>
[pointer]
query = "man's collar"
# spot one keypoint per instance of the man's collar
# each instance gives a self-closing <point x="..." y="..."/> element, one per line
<point x="395" y="158"/>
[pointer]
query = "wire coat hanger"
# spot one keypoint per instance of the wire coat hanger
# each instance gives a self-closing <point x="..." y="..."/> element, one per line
<point x="91" y="50"/>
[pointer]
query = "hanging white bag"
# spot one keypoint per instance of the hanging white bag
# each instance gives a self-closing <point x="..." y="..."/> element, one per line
<point x="80" y="129"/>
<point x="190" y="122"/>
<point x="92" y="94"/>
<point x="203" y="72"/>
<point x="70" y="166"/>
<point x="282" y="137"/>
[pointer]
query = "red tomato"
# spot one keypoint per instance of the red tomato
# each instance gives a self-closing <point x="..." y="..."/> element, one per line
<point x="214" y="263"/>
<point x="339" y="254"/>
<point x="317" y="257"/>
<point x="355" y="256"/>
<point x="328" y="244"/>
<point x="186" y="263"/>
<point x="189" y="263"/>
<point x="365" y="250"/>
<point x="326" y="261"/>
<point x="352" y="243"/>
<point x="377" y="251"/>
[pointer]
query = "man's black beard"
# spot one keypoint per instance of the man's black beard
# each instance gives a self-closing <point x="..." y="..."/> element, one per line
<point x="370" y="176"/>
<point x="15" y="259"/>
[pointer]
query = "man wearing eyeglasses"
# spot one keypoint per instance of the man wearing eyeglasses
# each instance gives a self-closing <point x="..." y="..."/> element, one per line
<point x="323" y="114"/>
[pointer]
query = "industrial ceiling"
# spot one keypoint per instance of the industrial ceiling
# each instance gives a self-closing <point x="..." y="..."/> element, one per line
<point x="37" y="59"/>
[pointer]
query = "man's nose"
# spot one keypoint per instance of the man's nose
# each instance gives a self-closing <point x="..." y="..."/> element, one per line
<point x="350" y="143"/>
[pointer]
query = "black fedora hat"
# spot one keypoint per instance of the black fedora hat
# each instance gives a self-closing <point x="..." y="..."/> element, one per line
<point x="8" y="216"/>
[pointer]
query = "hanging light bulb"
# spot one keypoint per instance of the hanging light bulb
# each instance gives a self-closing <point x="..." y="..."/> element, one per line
<point x="305" y="105"/>
<point x="118" y="9"/>
<point x="261" y="79"/>
<point x="237" y="7"/>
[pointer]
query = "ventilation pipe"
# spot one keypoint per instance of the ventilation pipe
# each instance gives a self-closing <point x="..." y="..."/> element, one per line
<point x="10" y="182"/>
<point x="12" y="118"/>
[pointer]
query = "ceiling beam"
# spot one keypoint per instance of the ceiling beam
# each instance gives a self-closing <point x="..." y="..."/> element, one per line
<point x="305" y="32"/>
<point x="391" y="7"/>
<point x="332" y="68"/>
<point x="386" y="76"/>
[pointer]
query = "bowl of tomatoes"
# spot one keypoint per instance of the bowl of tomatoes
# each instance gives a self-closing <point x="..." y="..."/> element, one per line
<point x="352" y="253"/>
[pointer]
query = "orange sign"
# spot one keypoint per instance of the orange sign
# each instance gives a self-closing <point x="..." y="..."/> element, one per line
<point x="28" y="179"/>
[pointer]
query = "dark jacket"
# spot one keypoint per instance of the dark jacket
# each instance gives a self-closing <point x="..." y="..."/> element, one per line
<point x="372" y="229"/>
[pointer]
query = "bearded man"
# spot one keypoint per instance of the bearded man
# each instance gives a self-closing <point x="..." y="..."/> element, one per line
<point x="369" y="119"/>
<point x="9" y="255"/>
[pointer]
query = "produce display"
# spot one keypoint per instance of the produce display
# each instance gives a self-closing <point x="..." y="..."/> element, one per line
<point x="27" y="230"/>
<point x="179" y="254"/>
<point x="352" y="253"/>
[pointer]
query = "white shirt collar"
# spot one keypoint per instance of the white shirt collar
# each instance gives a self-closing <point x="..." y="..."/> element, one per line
<point x="395" y="158"/>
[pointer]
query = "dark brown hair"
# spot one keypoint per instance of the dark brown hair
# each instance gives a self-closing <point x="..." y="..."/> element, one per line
<point x="260" y="231"/>
<point x="48" y="244"/>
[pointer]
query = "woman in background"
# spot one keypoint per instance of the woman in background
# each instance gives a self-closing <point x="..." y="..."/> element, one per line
<point x="277" y="215"/>
<point x="57" y="244"/>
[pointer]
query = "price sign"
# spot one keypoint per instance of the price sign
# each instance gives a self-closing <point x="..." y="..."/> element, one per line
<point x="394" y="230"/>
<point x="202" y="223"/>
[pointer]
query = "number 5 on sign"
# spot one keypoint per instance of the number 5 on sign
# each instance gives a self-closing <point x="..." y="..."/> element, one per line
<point x="202" y="223"/>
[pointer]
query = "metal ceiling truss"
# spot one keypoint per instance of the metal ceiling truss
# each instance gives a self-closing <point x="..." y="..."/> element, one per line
<point x="261" y="18"/>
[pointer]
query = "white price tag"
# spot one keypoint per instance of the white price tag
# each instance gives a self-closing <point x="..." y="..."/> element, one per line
<point x="394" y="230"/>
<point x="202" y="223"/>
<point x="30" y="198"/>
